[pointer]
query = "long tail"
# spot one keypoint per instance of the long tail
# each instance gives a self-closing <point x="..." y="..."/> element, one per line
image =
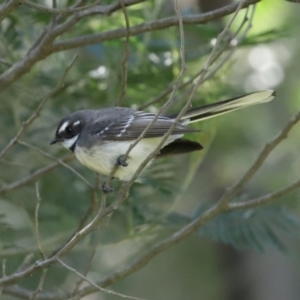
<point x="223" y="107"/>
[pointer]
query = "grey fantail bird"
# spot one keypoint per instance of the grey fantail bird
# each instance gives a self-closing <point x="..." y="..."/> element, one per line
<point x="99" y="138"/>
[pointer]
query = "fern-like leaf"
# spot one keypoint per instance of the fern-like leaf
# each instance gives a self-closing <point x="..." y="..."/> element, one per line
<point x="254" y="228"/>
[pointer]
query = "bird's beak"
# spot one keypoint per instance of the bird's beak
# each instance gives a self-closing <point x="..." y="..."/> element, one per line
<point x="53" y="142"/>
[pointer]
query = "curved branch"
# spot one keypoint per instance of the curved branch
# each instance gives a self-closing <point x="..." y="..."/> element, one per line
<point x="148" y="26"/>
<point x="34" y="176"/>
<point x="269" y="147"/>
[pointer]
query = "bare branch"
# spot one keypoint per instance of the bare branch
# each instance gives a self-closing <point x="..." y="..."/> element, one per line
<point x="58" y="10"/>
<point x="95" y="285"/>
<point x="26" y="262"/>
<point x="22" y="293"/>
<point x="40" y="285"/>
<point x="89" y="10"/>
<point x="265" y="199"/>
<point x="90" y="261"/>
<point x="34" y="176"/>
<point x="58" y="160"/>
<point x="147" y="26"/>
<point x="126" y="56"/>
<point x="36" y="221"/>
<point x="8" y="280"/>
<point x="231" y="192"/>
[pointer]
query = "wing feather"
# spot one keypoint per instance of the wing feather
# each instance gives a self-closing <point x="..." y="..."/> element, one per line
<point x="131" y="125"/>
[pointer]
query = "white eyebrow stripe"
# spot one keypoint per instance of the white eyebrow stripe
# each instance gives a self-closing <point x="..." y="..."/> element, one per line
<point x="63" y="126"/>
<point x="76" y="123"/>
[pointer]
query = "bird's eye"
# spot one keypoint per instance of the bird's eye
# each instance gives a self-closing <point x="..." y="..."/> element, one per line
<point x="69" y="129"/>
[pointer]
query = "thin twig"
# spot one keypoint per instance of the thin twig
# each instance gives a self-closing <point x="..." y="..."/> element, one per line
<point x="124" y="63"/>
<point x="34" y="176"/>
<point x="36" y="221"/>
<point x="87" y="215"/>
<point x="55" y="10"/>
<point x="92" y="255"/>
<point x="3" y="267"/>
<point x="269" y="147"/>
<point x="57" y="160"/>
<point x="266" y="198"/>
<point x="40" y="285"/>
<point x="94" y="284"/>
<point x="26" y="262"/>
<point x="37" y="112"/>
<point x="146" y="27"/>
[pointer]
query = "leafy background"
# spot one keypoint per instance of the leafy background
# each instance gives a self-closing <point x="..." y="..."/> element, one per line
<point x="205" y="265"/>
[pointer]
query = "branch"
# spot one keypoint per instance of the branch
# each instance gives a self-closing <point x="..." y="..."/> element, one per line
<point x="58" y="160"/>
<point x="125" y="57"/>
<point x="22" y="293"/>
<point x="265" y="199"/>
<point x="11" y="279"/>
<point x="59" y="10"/>
<point x="36" y="222"/>
<point x="269" y="147"/>
<point x="99" y="288"/>
<point x="155" y="250"/>
<point x="40" y="285"/>
<point x="148" y="26"/>
<point x="88" y="10"/>
<point x="34" y="176"/>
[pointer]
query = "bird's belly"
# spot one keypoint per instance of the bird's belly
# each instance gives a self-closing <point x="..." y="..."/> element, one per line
<point x="103" y="157"/>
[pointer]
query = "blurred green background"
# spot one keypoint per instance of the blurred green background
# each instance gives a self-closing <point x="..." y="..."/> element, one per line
<point x="264" y="262"/>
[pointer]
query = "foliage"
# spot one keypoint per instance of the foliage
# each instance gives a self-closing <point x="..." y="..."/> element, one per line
<point x="163" y="204"/>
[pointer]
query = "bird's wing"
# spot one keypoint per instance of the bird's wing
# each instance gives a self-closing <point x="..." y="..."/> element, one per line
<point x="131" y="126"/>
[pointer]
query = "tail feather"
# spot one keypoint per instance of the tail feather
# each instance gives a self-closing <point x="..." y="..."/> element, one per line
<point x="222" y="107"/>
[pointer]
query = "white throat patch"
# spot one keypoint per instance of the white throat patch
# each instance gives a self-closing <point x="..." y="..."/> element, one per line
<point x="70" y="142"/>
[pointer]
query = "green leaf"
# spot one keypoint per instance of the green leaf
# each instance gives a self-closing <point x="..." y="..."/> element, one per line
<point x="253" y="229"/>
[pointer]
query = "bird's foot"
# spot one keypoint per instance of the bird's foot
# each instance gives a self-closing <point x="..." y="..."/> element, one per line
<point x="106" y="188"/>
<point x="121" y="161"/>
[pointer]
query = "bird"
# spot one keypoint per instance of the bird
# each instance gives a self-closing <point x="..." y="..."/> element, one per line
<point x="100" y="138"/>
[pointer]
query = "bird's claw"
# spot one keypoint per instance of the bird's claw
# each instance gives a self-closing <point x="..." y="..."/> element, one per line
<point x="121" y="161"/>
<point x="106" y="188"/>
